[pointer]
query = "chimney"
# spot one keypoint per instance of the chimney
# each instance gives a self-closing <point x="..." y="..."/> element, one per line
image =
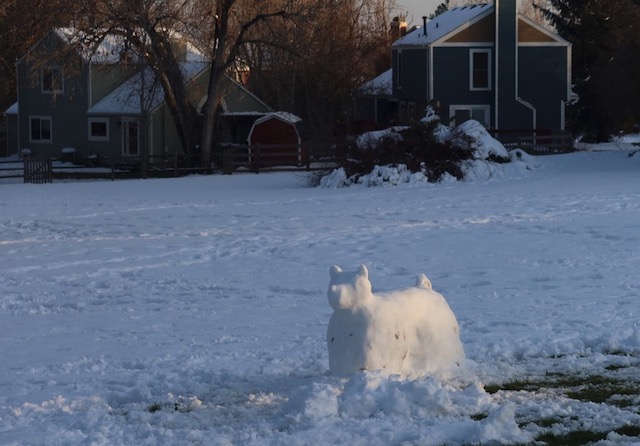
<point x="510" y="110"/>
<point x="398" y="28"/>
<point x="424" y="24"/>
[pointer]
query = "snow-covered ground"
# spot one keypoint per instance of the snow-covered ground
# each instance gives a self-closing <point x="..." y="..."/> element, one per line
<point x="194" y="310"/>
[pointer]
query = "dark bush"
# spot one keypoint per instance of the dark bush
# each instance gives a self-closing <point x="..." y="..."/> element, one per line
<point x="415" y="146"/>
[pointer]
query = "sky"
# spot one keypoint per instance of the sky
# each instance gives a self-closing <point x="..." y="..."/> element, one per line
<point x="415" y="9"/>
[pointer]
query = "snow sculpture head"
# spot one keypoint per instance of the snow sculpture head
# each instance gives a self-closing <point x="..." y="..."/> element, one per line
<point x="408" y="331"/>
<point x="346" y="289"/>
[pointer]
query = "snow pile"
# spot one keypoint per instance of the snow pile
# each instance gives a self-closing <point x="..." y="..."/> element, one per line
<point x="379" y="176"/>
<point x="194" y="310"/>
<point x="411" y="331"/>
<point x="371" y="139"/>
<point x="490" y="158"/>
<point x="484" y="145"/>
<point x="375" y="397"/>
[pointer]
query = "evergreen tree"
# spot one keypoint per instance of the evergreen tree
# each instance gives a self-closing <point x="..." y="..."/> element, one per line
<point x="441" y="9"/>
<point x="603" y="39"/>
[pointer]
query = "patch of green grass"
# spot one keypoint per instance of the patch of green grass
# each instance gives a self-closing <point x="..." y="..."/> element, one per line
<point x="155" y="407"/>
<point x="582" y="437"/>
<point x="574" y="438"/>
<point x="479" y="416"/>
<point x="593" y="388"/>
<point x="610" y="388"/>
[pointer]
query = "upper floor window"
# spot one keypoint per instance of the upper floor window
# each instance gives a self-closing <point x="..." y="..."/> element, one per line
<point x="52" y="80"/>
<point x="40" y="129"/>
<point x="480" y="69"/>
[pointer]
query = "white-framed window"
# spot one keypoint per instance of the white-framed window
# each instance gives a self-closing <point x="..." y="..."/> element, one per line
<point x="130" y="137"/>
<point x="40" y="129"/>
<point x="480" y="69"/>
<point x="98" y="129"/>
<point x="461" y="113"/>
<point x="52" y="80"/>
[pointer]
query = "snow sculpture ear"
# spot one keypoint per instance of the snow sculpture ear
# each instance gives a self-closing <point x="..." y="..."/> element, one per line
<point x="363" y="271"/>
<point x="334" y="271"/>
<point x="423" y="282"/>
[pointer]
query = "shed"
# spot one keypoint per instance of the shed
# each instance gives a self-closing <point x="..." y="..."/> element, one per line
<point x="274" y="140"/>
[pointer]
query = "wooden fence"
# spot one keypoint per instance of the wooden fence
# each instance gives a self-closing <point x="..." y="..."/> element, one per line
<point x="535" y="143"/>
<point x="38" y="170"/>
<point x="256" y="158"/>
<point x="227" y="159"/>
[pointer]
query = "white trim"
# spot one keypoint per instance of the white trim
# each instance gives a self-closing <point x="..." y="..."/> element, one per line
<point x="470" y="107"/>
<point x="430" y="81"/>
<point x="464" y="45"/>
<point x="472" y="52"/>
<point x="399" y="69"/>
<point x="542" y="29"/>
<point x="541" y="44"/>
<point x="41" y="141"/>
<point x="496" y="57"/>
<point x="125" y="121"/>
<point x="464" y="26"/>
<point x="517" y="79"/>
<point x="90" y="135"/>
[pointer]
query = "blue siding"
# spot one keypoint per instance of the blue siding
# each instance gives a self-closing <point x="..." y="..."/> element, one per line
<point x="409" y="81"/>
<point x="451" y="79"/>
<point x="543" y="82"/>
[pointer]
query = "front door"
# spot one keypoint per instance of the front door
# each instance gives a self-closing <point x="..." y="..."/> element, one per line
<point x="130" y="137"/>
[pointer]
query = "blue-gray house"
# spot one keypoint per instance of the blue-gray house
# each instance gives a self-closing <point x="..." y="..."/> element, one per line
<point x="485" y="62"/>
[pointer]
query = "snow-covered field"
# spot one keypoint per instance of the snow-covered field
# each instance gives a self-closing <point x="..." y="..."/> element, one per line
<point x="194" y="310"/>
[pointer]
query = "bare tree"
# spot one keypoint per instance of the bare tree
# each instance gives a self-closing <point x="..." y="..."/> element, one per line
<point x="22" y="24"/>
<point x="148" y="29"/>
<point x="321" y="59"/>
<point x="232" y="29"/>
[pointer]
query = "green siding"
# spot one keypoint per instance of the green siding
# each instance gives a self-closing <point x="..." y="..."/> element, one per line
<point x="104" y="79"/>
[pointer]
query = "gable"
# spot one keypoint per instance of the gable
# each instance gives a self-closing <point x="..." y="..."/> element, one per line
<point x="481" y="31"/>
<point x="530" y="32"/>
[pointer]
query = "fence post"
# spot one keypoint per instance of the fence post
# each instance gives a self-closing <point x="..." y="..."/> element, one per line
<point x="256" y="161"/>
<point x="227" y="160"/>
<point x="175" y="164"/>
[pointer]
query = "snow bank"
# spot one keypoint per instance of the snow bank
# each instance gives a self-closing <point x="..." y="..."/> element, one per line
<point x="411" y="331"/>
<point x="482" y="142"/>
<point x="470" y="133"/>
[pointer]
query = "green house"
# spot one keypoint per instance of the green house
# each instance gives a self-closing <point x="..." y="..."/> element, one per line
<point x="92" y="103"/>
<point x="485" y="62"/>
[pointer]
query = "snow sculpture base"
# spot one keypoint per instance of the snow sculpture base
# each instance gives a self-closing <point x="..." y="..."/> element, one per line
<point x="405" y="332"/>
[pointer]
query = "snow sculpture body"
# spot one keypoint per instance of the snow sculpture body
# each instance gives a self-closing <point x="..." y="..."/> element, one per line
<point x="407" y="331"/>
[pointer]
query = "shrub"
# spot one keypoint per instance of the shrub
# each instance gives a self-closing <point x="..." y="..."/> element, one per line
<point x="417" y="147"/>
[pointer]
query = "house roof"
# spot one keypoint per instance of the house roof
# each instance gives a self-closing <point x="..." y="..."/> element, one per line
<point x="380" y="85"/>
<point x="443" y="24"/>
<point x="126" y="99"/>
<point x="12" y="110"/>
<point x="110" y="48"/>
<point x="287" y="117"/>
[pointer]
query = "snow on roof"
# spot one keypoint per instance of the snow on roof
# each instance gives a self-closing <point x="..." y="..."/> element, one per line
<point x="112" y="46"/>
<point x="443" y="24"/>
<point x="380" y="85"/>
<point x="126" y="98"/>
<point x="12" y="110"/>
<point x="287" y="117"/>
